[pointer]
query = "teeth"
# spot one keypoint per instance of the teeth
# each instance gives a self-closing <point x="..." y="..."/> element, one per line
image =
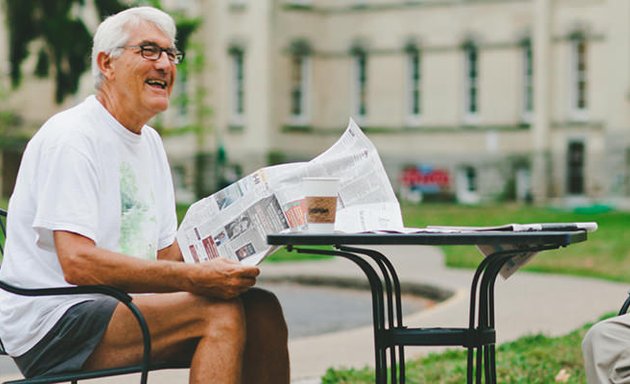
<point x="159" y="83"/>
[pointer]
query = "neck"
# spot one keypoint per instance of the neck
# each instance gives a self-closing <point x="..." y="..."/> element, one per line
<point x="118" y="108"/>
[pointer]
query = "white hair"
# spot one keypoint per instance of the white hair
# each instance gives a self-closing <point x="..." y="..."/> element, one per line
<point x="113" y="33"/>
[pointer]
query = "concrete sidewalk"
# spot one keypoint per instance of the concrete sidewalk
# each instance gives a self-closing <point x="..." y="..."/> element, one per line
<point x="525" y="303"/>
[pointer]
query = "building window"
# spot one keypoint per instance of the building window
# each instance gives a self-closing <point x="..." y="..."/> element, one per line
<point x="471" y="95"/>
<point x="237" y="4"/>
<point x="299" y="82"/>
<point x="303" y="3"/>
<point x="180" y="93"/>
<point x="414" y="81"/>
<point x="528" y="80"/>
<point x="467" y="190"/>
<point x="471" y="179"/>
<point x="575" y="168"/>
<point x="360" y="82"/>
<point x="579" y="81"/>
<point x="237" y="86"/>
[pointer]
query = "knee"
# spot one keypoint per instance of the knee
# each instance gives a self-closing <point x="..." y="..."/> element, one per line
<point x="604" y="334"/>
<point x="221" y="318"/>
<point x="263" y="311"/>
<point x="589" y="338"/>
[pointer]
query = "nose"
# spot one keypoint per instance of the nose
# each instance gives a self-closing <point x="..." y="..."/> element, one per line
<point x="163" y="60"/>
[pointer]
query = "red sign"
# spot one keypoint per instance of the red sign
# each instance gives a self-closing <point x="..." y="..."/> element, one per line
<point x="425" y="178"/>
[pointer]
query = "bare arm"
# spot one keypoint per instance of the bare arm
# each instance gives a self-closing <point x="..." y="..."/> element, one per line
<point x="172" y="252"/>
<point x="83" y="263"/>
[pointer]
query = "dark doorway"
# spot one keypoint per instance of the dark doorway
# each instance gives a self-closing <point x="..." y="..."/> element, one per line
<point x="575" y="168"/>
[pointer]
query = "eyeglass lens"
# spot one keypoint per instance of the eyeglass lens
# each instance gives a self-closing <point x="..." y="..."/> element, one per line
<point x="153" y="52"/>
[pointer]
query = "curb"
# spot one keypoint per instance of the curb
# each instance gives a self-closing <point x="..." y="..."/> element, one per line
<point x="424" y="290"/>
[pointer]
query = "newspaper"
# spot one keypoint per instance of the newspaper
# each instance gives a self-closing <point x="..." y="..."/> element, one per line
<point x="589" y="226"/>
<point x="514" y="263"/>
<point x="234" y="222"/>
<point x="519" y="259"/>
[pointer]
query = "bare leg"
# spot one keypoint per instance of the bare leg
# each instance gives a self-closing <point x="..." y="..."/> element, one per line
<point x="208" y="333"/>
<point x="266" y="359"/>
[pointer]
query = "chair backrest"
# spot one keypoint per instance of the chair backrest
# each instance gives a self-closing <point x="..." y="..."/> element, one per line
<point x="3" y="231"/>
<point x="3" y="237"/>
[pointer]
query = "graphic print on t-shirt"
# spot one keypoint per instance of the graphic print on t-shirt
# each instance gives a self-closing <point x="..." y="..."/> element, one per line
<point x="137" y="220"/>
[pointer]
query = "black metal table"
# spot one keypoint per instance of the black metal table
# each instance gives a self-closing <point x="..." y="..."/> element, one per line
<point x="390" y="334"/>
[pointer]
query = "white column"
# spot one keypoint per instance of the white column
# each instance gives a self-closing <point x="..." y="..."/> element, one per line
<point x="542" y="97"/>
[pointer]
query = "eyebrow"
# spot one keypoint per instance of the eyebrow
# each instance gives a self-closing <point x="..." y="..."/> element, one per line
<point x="150" y="42"/>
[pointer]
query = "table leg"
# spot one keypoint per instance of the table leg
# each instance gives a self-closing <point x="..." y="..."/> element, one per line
<point x="486" y="305"/>
<point x="394" y="306"/>
<point x="378" y="310"/>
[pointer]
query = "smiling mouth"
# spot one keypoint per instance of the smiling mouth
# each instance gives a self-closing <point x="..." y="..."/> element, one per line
<point x="156" y="83"/>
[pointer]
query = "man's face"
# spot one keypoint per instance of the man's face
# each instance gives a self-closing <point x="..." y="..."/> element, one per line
<point x="143" y="85"/>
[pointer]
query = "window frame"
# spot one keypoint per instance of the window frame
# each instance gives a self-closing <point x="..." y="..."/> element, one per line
<point x="237" y="85"/>
<point x="181" y="96"/>
<point x="471" y="82"/>
<point x="360" y="83"/>
<point x="527" y="73"/>
<point x="578" y="80"/>
<point x="300" y="113"/>
<point x="413" y="82"/>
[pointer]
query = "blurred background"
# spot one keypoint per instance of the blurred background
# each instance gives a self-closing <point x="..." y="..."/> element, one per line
<point x="468" y="101"/>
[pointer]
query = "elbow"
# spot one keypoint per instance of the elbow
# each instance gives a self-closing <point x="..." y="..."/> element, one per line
<point x="76" y="255"/>
<point x="72" y="273"/>
<point x="76" y="270"/>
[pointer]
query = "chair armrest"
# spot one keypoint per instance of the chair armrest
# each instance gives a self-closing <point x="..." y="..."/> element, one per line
<point x="77" y="290"/>
<point x="119" y="295"/>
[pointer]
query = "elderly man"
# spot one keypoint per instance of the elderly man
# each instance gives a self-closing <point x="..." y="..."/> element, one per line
<point x="94" y="204"/>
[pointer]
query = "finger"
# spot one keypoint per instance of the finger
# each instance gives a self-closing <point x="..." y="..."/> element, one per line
<point x="246" y="282"/>
<point x="250" y="271"/>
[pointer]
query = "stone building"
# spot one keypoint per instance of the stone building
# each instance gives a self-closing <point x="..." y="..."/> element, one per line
<point x="469" y="99"/>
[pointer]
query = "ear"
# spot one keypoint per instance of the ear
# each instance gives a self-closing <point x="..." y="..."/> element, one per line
<point x="105" y="65"/>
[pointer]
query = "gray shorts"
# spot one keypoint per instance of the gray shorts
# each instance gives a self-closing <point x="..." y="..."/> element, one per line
<point x="71" y="340"/>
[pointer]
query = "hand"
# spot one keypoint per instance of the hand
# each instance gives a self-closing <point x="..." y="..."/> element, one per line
<point x="222" y="278"/>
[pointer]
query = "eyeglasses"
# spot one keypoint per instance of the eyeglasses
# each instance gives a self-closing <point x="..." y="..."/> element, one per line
<point x="154" y="52"/>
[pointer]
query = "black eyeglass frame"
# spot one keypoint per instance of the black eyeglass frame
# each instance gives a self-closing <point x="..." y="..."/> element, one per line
<point x="154" y="52"/>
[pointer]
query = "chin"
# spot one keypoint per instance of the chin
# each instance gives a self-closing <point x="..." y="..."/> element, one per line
<point x="159" y="105"/>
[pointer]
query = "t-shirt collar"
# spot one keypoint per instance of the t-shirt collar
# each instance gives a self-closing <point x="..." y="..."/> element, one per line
<point x="114" y="124"/>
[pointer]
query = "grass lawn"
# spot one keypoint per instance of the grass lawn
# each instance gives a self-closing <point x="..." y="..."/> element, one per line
<point x="534" y="359"/>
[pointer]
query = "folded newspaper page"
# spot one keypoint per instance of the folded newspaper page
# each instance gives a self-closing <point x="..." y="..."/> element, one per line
<point x="514" y="263"/>
<point x="520" y="258"/>
<point x="531" y="227"/>
<point x="234" y="222"/>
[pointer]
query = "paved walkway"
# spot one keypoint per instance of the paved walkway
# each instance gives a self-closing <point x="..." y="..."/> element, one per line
<point x="526" y="303"/>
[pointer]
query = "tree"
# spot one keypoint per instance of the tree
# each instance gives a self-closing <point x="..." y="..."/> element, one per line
<point x="65" y="41"/>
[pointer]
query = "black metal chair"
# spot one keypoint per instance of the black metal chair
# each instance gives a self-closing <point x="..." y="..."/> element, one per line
<point x="143" y="368"/>
<point x="625" y="306"/>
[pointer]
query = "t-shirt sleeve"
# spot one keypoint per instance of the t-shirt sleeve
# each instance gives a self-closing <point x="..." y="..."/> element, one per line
<point x="167" y="209"/>
<point x="168" y="228"/>
<point x="67" y="195"/>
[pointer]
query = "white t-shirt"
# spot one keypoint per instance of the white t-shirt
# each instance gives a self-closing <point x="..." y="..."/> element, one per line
<point x="81" y="172"/>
